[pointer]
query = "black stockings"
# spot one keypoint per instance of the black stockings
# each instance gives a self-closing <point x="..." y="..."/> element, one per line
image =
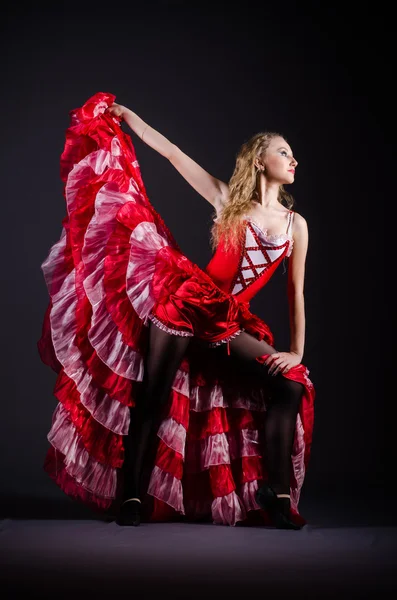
<point x="162" y="360"/>
<point x="163" y="357"/>
<point x="285" y="397"/>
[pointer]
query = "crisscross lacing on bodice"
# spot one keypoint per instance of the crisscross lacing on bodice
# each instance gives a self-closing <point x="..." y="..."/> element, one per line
<point x="260" y="252"/>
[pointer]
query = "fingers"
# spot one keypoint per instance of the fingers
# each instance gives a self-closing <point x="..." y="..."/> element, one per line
<point x="277" y="364"/>
<point x="282" y="368"/>
<point x="271" y="360"/>
<point x="276" y="368"/>
<point x="114" y="109"/>
<point x="273" y="363"/>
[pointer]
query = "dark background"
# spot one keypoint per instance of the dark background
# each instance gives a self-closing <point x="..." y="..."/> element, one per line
<point x="208" y="77"/>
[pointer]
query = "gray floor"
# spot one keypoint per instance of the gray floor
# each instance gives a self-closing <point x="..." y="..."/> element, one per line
<point x="347" y="549"/>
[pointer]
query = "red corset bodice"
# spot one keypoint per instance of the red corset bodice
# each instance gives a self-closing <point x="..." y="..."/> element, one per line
<point x="244" y="271"/>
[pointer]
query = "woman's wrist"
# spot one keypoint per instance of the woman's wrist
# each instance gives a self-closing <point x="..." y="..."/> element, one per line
<point x="299" y="354"/>
<point x="125" y="111"/>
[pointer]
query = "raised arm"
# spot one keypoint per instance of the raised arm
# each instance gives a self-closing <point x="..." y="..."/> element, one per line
<point x="206" y="185"/>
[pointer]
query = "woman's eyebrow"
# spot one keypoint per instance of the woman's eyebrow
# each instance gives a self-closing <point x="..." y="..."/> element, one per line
<point x="284" y="148"/>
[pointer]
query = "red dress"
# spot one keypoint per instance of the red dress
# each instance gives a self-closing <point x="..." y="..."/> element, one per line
<point x="117" y="266"/>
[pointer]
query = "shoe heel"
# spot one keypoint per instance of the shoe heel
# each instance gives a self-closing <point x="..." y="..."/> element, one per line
<point x="267" y="499"/>
<point x="130" y="513"/>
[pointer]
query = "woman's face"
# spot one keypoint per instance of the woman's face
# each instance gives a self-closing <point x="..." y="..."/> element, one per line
<point x="279" y="162"/>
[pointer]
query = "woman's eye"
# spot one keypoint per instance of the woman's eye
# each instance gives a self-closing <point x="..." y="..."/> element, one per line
<point x="283" y="153"/>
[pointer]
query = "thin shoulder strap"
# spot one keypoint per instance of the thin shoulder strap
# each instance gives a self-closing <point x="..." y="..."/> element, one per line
<point x="290" y="219"/>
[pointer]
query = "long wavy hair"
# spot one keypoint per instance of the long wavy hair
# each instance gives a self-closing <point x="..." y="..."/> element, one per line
<point x="243" y="189"/>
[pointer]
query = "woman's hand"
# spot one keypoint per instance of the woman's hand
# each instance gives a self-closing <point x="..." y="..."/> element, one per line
<point x="116" y="110"/>
<point x="282" y="362"/>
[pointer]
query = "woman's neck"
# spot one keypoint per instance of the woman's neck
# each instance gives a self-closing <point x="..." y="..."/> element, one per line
<point x="267" y="194"/>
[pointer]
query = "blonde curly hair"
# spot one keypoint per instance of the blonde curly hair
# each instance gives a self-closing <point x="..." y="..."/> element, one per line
<point x="243" y="189"/>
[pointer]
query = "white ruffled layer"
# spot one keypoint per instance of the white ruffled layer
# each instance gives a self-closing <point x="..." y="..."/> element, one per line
<point x="247" y="494"/>
<point x="95" y="477"/>
<point x="173" y="435"/>
<point x="221" y="449"/>
<point x="104" y="334"/>
<point x="145" y="244"/>
<point x="208" y="452"/>
<point x="82" y="172"/>
<point x="54" y="268"/>
<point x="227" y="510"/>
<point x="110" y="413"/>
<point x="205" y="397"/>
<point x="243" y="443"/>
<point x="167" y="488"/>
<point x="181" y="383"/>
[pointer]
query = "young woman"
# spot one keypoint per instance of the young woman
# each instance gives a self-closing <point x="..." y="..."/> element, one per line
<point x="161" y="364"/>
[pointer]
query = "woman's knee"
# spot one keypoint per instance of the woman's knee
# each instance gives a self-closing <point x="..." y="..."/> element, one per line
<point x="289" y="391"/>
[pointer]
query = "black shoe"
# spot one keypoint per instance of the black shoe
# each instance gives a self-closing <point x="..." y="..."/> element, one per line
<point x="130" y="513"/>
<point x="277" y="508"/>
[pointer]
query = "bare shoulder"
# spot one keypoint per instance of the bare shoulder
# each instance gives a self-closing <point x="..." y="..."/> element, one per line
<point x="299" y="225"/>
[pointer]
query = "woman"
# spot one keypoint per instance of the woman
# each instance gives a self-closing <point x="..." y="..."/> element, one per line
<point x="138" y="333"/>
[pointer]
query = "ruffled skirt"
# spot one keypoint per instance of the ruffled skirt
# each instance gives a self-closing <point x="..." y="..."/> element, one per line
<point x="115" y="267"/>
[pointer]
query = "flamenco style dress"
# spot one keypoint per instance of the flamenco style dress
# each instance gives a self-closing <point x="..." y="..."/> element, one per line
<point x="116" y="267"/>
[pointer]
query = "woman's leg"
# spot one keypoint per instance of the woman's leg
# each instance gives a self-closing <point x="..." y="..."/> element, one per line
<point x="285" y="398"/>
<point x="163" y="357"/>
